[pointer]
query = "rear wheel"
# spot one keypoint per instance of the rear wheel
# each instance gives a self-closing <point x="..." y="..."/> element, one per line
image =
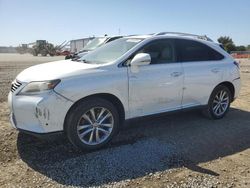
<point x="219" y="103"/>
<point x="92" y="124"/>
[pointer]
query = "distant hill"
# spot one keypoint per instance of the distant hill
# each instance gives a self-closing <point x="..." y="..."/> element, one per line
<point x="4" y="49"/>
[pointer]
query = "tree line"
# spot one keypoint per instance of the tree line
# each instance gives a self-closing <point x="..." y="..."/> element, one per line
<point x="229" y="45"/>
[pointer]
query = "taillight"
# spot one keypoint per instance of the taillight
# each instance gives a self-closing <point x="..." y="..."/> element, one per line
<point x="237" y="64"/>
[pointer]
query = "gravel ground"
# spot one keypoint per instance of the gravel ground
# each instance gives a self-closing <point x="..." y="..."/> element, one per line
<point x="175" y="150"/>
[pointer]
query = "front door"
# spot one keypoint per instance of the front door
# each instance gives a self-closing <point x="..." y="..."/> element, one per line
<point x="156" y="87"/>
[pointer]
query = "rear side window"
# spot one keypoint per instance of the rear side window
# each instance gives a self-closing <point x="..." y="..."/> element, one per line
<point x="189" y="50"/>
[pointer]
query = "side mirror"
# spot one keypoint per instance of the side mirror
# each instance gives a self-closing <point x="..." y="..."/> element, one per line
<point x="141" y="59"/>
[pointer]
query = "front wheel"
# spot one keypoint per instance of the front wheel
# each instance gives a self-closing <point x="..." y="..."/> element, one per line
<point x="92" y="124"/>
<point x="219" y="103"/>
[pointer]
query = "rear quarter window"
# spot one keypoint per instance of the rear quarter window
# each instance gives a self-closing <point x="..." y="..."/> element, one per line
<point x="189" y="50"/>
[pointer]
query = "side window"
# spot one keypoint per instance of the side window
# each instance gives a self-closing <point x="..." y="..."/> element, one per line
<point x="189" y="50"/>
<point x="161" y="51"/>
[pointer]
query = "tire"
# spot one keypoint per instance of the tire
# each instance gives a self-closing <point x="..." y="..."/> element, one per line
<point x="34" y="53"/>
<point x="86" y="133"/>
<point x="68" y="57"/>
<point x="218" y="107"/>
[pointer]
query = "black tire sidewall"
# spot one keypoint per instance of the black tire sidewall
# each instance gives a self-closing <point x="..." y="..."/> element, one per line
<point x="76" y="113"/>
<point x="211" y="99"/>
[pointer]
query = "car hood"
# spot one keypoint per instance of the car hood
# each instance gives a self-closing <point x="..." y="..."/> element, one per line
<point x="55" y="70"/>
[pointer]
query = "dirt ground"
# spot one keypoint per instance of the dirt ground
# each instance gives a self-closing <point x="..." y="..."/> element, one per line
<point x="176" y="150"/>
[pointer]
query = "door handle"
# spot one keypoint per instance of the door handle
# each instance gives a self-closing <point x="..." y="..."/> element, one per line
<point x="215" y="70"/>
<point x="176" y="74"/>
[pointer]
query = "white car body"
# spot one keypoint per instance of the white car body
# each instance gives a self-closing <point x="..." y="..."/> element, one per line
<point x="146" y="91"/>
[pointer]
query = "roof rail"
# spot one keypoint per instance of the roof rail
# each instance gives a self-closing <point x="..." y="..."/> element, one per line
<point x="202" y="37"/>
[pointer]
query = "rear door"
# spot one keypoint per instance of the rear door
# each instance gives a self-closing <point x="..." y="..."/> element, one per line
<point x="203" y="70"/>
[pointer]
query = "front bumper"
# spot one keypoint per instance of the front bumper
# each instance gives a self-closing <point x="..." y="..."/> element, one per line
<point x="46" y="136"/>
<point x="40" y="114"/>
<point x="12" y="120"/>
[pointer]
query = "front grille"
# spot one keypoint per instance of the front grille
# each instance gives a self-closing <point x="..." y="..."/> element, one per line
<point x="15" y="85"/>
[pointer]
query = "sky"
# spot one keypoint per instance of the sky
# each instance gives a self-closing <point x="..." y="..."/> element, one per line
<point x="25" y="21"/>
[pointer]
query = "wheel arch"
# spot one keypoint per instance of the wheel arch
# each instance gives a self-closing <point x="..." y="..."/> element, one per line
<point x="107" y="96"/>
<point x="230" y="86"/>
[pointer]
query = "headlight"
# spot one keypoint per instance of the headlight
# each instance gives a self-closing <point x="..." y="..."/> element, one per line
<point x="38" y="87"/>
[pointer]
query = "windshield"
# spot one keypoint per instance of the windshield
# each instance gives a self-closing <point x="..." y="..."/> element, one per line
<point x="111" y="51"/>
<point x="96" y="42"/>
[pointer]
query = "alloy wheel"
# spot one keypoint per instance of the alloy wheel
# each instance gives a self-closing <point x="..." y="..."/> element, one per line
<point x="95" y="126"/>
<point x="220" y="103"/>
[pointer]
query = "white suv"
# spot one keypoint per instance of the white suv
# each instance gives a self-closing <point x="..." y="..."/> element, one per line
<point x="130" y="77"/>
